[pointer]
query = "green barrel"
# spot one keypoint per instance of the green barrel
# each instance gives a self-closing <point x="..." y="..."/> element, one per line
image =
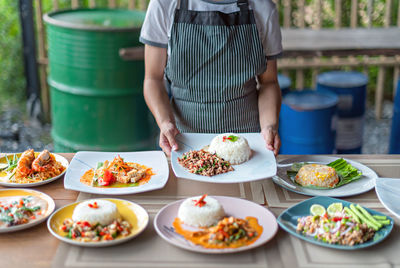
<point x="97" y="98"/>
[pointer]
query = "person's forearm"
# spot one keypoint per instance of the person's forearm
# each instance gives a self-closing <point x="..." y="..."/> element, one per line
<point x="269" y="105"/>
<point x="157" y="100"/>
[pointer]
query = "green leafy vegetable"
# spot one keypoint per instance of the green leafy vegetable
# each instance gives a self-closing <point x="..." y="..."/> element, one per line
<point x="346" y="172"/>
<point x="233" y="138"/>
<point x="30" y="209"/>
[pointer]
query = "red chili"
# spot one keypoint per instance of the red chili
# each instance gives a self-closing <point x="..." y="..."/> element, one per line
<point x="224" y="233"/>
<point x="335" y="219"/>
<point x="64" y="227"/>
<point x="201" y="201"/>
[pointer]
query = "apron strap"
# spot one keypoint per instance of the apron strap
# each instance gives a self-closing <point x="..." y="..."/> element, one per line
<point x="243" y="5"/>
<point x="184" y="5"/>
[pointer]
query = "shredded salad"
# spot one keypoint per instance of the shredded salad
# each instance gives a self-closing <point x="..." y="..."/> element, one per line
<point x="343" y="225"/>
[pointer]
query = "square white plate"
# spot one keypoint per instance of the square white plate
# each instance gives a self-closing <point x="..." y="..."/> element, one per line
<point x="84" y="161"/>
<point x="261" y="165"/>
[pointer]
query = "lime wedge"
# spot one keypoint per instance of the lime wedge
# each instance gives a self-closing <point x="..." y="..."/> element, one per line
<point x="333" y="208"/>
<point x="317" y="210"/>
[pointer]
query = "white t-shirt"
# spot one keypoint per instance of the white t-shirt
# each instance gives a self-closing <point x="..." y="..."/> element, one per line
<point x="157" y="25"/>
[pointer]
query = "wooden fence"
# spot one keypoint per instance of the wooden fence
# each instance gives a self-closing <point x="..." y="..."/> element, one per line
<point x="294" y="14"/>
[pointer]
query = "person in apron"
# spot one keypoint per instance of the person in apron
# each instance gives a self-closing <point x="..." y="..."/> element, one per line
<point x="217" y="76"/>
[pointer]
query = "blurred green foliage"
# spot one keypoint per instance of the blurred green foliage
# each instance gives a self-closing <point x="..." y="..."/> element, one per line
<point x="12" y="81"/>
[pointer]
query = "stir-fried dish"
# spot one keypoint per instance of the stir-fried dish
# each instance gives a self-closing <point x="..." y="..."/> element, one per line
<point x="204" y="163"/>
<point x="229" y="232"/>
<point x="83" y="231"/>
<point x="117" y="173"/>
<point x="18" y="210"/>
<point x="344" y="226"/>
<point x="29" y="168"/>
<point x="318" y="176"/>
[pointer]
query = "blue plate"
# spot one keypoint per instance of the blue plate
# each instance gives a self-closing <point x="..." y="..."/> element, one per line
<point x="288" y="221"/>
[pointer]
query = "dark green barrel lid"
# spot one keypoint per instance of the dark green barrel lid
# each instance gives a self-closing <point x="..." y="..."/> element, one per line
<point x="97" y="19"/>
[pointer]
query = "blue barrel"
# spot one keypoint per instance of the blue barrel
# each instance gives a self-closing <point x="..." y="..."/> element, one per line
<point x="351" y="88"/>
<point x="284" y="83"/>
<point x="394" y="146"/>
<point x="308" y="122"/>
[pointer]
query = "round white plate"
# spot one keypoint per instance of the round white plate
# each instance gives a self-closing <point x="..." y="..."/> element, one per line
<point x="236" y="207"/>
<point x="136" y="215"/>
<point x="26" y="192"/>
<point x="364" y="184"/>
<point x="388" y="191"/>
<point x="261" y="165"/>
<point x="59" y="158"/>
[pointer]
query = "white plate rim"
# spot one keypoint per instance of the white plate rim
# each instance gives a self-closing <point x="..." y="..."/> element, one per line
<point x="98" y="244"/>
<point x="59" y="158"/>
<point x="214" y="179"/>
<point x="379" y="194"/>
<point x="352" y="162"/>
<point x="50" y="209"/>
<point x="118" y="191"/>
<point x="212" y="251"/>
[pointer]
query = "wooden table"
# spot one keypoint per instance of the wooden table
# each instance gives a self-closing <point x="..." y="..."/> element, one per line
<point x="36" y="247"/>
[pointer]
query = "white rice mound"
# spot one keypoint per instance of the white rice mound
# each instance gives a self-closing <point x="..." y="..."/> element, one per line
<point x="105" y="214"/>
<point x="204" y="216"/>
<point x="235" y="152"/>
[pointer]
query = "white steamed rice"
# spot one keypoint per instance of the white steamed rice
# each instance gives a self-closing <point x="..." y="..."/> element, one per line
<point x="105" y="214"/>
<point x="204" y="216"/>
<point x="235" y="152"/>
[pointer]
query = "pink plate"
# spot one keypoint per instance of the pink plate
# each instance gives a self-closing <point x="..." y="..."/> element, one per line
<point x="235" y="207"/>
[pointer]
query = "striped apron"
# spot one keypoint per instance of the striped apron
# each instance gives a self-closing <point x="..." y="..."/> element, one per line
<point x="212" y="68"/>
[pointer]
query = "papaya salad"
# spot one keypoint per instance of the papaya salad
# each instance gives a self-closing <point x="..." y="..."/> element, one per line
<point x="341" y="225"/>
<point x="117" y="173"/>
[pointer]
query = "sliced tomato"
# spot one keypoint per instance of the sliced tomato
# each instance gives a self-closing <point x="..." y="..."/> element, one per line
<point x="107" y="179"/>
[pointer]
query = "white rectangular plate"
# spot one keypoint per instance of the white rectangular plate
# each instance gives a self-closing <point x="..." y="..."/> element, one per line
<point x="261" y="165"/>
<point x="84" y="161"/>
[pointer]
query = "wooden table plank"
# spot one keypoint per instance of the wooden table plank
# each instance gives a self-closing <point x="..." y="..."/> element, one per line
<point x="345" y="41"/>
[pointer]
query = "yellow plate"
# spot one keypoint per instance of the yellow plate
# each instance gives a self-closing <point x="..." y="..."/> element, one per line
<point x="133" y="213"/>
<point x="25" y="192"/>
<point x="3" y="175"/>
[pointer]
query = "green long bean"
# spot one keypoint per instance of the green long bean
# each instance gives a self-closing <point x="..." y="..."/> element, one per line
<point x="352" y="214"/>
<point x="379" y="217"/>
<point x="369" y="216"/>
<point x="363" y="218"/>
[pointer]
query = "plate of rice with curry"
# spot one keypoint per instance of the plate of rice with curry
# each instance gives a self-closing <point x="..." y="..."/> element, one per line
<point x="222" y="158"/>
<point x="215" y="224"/>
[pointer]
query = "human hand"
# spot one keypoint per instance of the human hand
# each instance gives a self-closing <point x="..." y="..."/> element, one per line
<point x="271" y="138"/>
<point x="168" y="132"/>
